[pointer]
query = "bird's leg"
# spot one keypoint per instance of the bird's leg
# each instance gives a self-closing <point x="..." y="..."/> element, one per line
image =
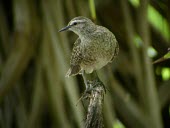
<point x="85" y="94"/>
<point x="84" y="78"/>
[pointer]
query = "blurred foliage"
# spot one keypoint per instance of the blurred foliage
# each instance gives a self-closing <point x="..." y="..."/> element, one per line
<point x="118" y="124"/>
<point x="34" y="58"/>
<point x="92" y="9"/>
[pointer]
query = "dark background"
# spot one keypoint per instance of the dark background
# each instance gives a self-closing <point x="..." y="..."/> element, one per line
<point x="34" y="58"/>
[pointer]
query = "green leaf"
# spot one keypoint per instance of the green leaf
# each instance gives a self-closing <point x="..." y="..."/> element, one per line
<point x="167" y="56"/>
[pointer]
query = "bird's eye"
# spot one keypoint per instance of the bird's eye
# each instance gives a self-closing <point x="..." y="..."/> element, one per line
<point x="75" y="23"/>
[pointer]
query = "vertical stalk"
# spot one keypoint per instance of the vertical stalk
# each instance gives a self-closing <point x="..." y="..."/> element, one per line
<point x="152" y="104"/>
<point x="92" y="9"/>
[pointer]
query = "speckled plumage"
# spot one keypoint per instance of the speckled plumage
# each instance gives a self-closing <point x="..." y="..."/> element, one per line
<point x="95" y="47"/>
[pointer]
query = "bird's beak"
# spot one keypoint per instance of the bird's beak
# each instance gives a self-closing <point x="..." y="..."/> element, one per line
<point x="64" y="29"/>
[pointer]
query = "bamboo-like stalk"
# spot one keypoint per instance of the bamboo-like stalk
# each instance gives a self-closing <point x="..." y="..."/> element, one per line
<point x="134" y="53"/>
<point x="152" y="106"/>
<point x="164" y="93"/>
<point x="4" y="34"/>
<point x="20" y="109"/>
<point x="92" y="9"/>
<point x="60" y="60"/>
<point x="52" y="95"/>
<point x="38" y="98"/>
<point x="126" y="105"/>
<point x="23" y="51"/>
<point x="70" y="7"/>
<point x="53" y="81"/>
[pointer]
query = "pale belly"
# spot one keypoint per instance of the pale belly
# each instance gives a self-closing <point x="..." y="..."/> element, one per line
<point x="101" y="62"/>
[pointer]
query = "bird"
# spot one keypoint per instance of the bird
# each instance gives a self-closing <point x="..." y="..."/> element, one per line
<point x="95" y="47"/>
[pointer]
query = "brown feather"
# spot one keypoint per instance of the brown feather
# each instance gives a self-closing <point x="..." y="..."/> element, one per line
<point x="74" y="70"/>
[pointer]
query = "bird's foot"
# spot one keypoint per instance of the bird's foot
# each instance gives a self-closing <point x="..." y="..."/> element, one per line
<point x="91" y="86"/>
<point x="86" y="93"/>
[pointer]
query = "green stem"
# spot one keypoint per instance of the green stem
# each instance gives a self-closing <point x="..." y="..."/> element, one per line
<point x="92" y="9"/>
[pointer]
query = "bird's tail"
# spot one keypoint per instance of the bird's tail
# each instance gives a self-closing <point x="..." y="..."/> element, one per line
<point x="74" y="70"/>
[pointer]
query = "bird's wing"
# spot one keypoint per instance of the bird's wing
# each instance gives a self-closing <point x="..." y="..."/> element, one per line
<point x="76" y="58"/>
<point x="116" y="52"/>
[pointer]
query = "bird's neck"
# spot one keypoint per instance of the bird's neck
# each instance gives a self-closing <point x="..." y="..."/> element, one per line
<point x="87" y="32"/>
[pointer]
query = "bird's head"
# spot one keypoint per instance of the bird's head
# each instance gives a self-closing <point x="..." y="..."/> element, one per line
<point x="79" y="25"/>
